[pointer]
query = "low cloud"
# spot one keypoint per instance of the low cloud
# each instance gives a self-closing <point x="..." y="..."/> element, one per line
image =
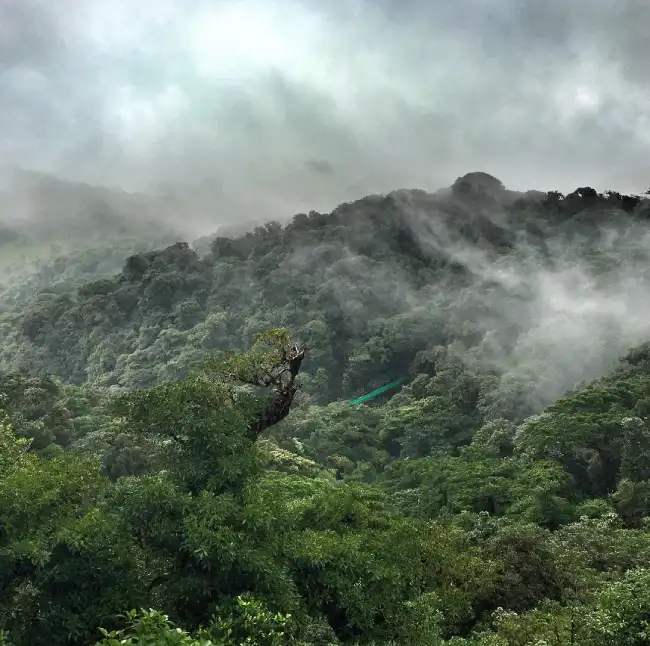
<point x="548" y="320"/>
<point x="260" y="109"/>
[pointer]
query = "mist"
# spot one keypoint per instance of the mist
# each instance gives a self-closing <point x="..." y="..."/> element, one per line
<point x="261" y="109"/>
<point x="220" y="115"/>
<point x="548" y="321"/>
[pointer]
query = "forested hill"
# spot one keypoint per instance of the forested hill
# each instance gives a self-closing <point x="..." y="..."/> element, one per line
<point x="499" y="497"/>
<point x="57" y="235"/>
<point x="538" y="288"/>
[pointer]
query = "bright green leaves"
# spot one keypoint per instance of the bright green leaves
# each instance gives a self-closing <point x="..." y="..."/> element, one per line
<point x="62" y="563"/>
<point x="200" y="426"/>
<point x="368" y="570"/>
<point x="150" y="628"/>
<point x="621" y="613"/>
<point x="38" y="495"/>
<point x="12" y="449"/>
<point x="618" y="615"/>
<point x="245" y="622"/>
<point x="248" y="621"/>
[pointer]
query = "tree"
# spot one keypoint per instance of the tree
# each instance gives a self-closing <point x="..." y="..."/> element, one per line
<point x="273" y="362"/>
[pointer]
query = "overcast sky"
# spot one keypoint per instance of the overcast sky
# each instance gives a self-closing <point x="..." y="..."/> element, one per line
<point x="291" y="105"/>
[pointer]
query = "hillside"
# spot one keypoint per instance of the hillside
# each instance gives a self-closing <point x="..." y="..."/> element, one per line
<point x="373" y="288"/>
<point x="57" y="235"/>
<point x="157" y="452"/>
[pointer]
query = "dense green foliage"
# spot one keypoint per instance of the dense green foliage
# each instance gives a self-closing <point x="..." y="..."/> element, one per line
<point x="500" y="497"/>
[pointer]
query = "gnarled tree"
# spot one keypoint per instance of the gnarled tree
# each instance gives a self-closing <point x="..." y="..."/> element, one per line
<point x="272" y="363"/>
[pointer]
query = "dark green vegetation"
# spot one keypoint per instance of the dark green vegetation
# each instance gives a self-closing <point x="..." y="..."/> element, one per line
<point x="501" y="497"/>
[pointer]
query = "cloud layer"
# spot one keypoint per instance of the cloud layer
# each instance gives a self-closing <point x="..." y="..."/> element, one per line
<point x="263" y="108"/>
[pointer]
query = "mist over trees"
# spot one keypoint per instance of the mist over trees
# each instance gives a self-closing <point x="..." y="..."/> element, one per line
<point x="180" y="463"/>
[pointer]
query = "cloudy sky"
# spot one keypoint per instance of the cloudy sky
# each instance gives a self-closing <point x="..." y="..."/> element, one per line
<point x="287" y="105"/>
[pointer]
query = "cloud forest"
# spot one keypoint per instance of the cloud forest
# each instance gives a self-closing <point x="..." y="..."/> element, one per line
<point x="188" y="455"/>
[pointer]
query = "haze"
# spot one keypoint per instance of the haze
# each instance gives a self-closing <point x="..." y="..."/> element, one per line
<point x="260" y="109"/>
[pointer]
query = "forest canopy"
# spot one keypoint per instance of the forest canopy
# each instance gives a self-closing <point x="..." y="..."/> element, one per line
<point x="180" y="462"/>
